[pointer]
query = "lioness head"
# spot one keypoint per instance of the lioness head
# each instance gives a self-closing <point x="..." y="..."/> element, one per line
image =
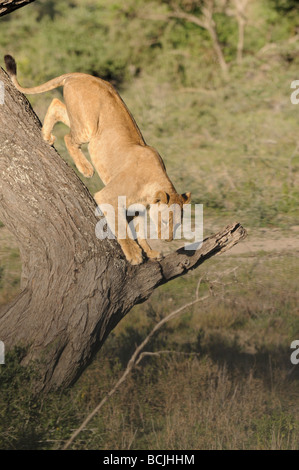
<point x="167" y="211"/>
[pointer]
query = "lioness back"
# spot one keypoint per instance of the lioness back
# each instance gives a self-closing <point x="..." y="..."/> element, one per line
<point x="91" y="101"/>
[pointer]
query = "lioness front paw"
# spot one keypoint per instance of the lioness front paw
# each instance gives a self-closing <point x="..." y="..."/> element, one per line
<point x="155" y="255"/>
<point x="134" y="255"/>
<point x="131" y="251"/>
<point x="135" y="260"/>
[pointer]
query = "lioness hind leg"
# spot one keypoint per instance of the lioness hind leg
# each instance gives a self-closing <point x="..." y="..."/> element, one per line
<point x="56" y="112"/>
<point x="78" y="156"/>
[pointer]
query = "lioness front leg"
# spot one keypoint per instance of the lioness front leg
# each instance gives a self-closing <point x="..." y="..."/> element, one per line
<point x="106" y="201"/>
<point x="141" y="237"/>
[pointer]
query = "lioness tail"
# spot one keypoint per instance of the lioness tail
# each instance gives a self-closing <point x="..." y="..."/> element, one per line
<point x="11" y="65"/>
<point x="11" y="68"/>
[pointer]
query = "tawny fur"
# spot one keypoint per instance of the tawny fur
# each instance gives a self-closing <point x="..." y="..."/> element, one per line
<point x="97" y="115"/>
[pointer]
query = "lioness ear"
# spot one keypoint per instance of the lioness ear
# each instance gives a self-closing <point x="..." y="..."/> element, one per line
<point x="161" y="196"/>
<point x="186" y="197"/>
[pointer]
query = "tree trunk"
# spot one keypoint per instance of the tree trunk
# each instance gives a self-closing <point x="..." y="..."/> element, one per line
<point x="75" y="288"/>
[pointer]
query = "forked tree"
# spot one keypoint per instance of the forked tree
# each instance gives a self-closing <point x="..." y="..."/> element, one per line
<point x="75" y="288"/>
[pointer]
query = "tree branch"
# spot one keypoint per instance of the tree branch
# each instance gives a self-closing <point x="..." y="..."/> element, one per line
<point x="240" y="13"/>
<point x="179" y="15"/>
<point x="206" y="22"/>
<point x="181" y="261"/>
<point x="7" y="6"/>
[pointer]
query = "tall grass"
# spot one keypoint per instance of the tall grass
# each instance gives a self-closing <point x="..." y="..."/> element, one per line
<point x="228" y="384"/>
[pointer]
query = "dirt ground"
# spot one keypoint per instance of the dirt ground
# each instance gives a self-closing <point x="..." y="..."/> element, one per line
<point x="258" y="240"/>
<point x="268" y="240"/>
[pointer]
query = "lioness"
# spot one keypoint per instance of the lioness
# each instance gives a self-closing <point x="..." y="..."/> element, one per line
<point x="97" y="115"/>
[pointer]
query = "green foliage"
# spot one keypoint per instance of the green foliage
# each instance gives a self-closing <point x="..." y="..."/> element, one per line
<point x="285" y="6"/>
<point x="274" y="428"/>
<point x="117" y="41"/>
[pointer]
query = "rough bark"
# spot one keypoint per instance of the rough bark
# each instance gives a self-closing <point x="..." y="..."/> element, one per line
<point x="74" y="287"/>
<point x="7" y="6"/>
